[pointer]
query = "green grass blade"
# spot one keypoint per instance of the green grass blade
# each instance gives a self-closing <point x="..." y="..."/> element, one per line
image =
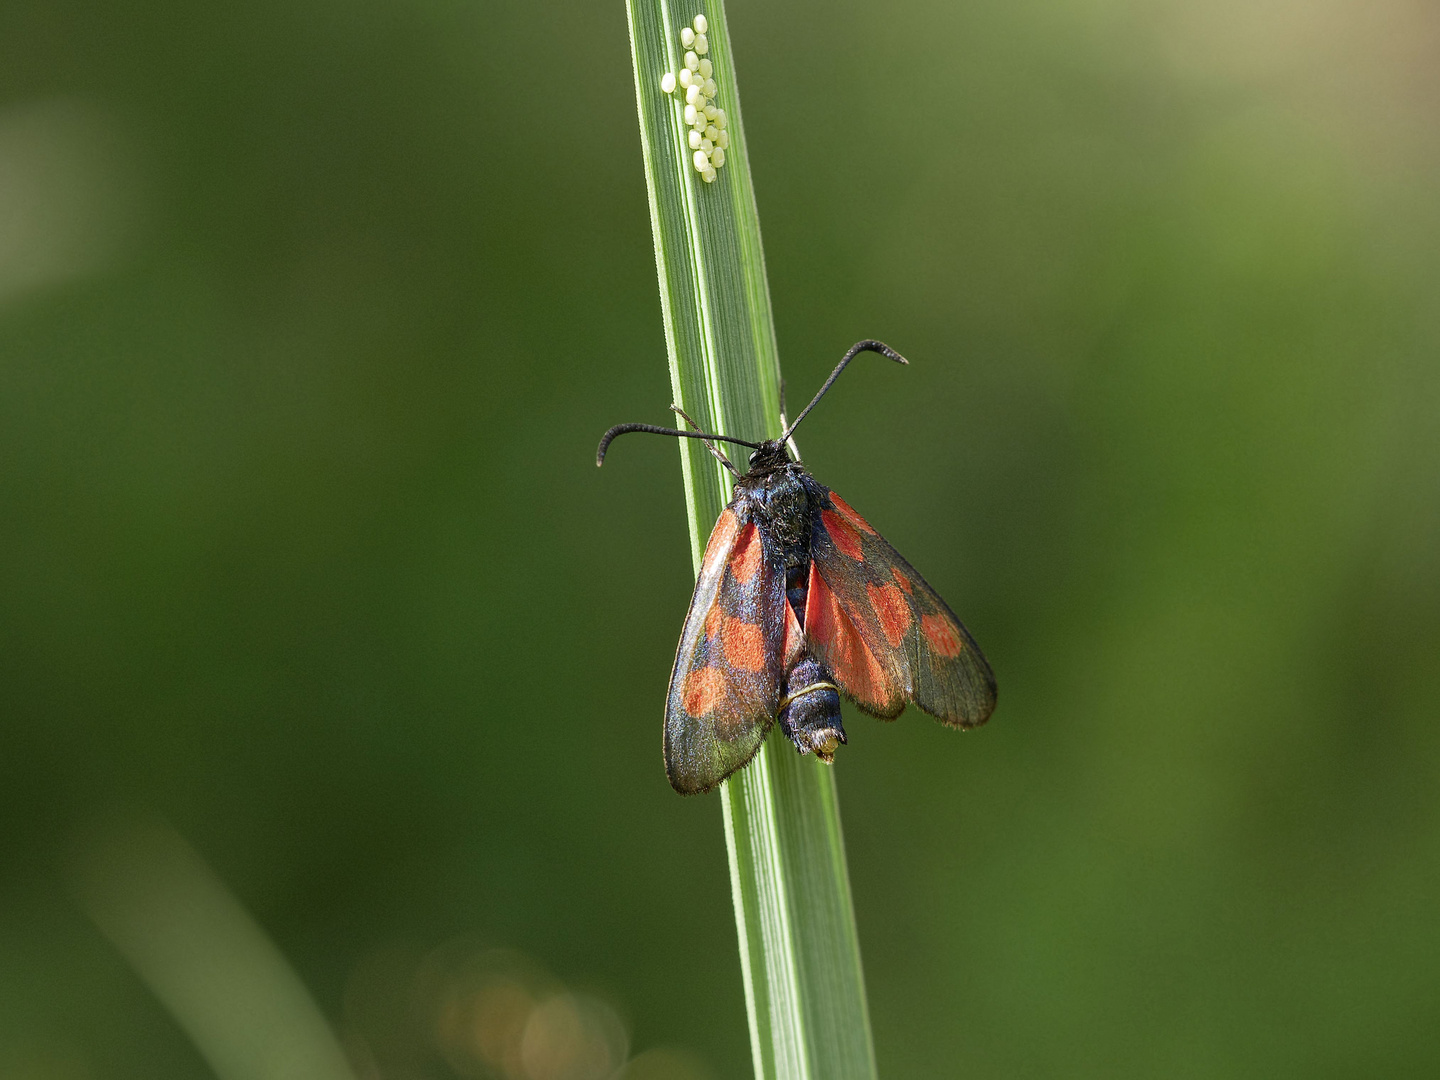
<point x="799" y="952"/>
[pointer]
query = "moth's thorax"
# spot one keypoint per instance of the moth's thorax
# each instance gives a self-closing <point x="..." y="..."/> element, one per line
<point x="776" y="493"/>
<point x="784" y="503"/>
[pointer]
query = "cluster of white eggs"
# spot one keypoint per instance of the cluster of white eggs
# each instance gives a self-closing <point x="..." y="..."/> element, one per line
<point x="696" y="79"/>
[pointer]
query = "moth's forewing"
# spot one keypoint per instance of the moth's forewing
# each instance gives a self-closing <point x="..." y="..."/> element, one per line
<point x="884" y="632"/>
<point x="726" y="684"/>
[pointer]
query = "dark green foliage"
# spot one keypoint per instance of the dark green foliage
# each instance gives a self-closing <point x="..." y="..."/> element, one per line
<point x="302" y="545"/>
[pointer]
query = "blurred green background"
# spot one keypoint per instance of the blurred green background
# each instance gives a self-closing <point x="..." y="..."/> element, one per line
<point x="311" y="314"/>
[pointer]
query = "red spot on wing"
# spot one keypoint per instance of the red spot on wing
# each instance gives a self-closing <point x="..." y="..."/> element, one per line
<point x="842" y="535"/>
<point x="712" y="621"/>
<point x="892" y="612"/>
<point x="794" y="638"/>
<point x="744" y="644"/>
<point x="704" y="687"/>
<point x="940" y="632"/>
<point x="850" y="515"/>
<point x="720" y="537"/>
<point x="902" y="580"/>
<point x="745" y="559"/>
<point x="849" y="658"/>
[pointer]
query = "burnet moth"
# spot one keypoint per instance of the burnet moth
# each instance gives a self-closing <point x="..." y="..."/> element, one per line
<point x="799" y="601"/>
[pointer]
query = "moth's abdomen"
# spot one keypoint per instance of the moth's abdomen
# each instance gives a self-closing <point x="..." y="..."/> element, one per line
<point x="797" y="582"/>
<point x="810" y="710"/>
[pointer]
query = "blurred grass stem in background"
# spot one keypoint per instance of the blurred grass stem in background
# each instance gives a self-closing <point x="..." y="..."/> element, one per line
<point x="799" y="951"/>
<point x="203" y="955"/>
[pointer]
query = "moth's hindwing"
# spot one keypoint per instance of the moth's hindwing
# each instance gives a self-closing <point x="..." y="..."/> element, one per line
<point x="726" y="685"/>
<point x="885" y="634"/>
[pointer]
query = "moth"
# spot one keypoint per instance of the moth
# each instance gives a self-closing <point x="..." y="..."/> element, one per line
<point x="798" y="601"/>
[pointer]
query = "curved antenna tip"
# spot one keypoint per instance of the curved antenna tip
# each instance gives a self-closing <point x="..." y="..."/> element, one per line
<point x="880" y="347"/>
<point x="868" y="345"/>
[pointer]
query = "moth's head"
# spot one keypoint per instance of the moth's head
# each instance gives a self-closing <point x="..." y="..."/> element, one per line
<point x="770" y="454"/>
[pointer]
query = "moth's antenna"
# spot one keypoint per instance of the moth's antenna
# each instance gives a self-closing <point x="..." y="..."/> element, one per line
<point x="795" y="450"/>
<point x="719" y="454"/>
<point x="623" y="429"/>
<point x="854" y="350"/>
